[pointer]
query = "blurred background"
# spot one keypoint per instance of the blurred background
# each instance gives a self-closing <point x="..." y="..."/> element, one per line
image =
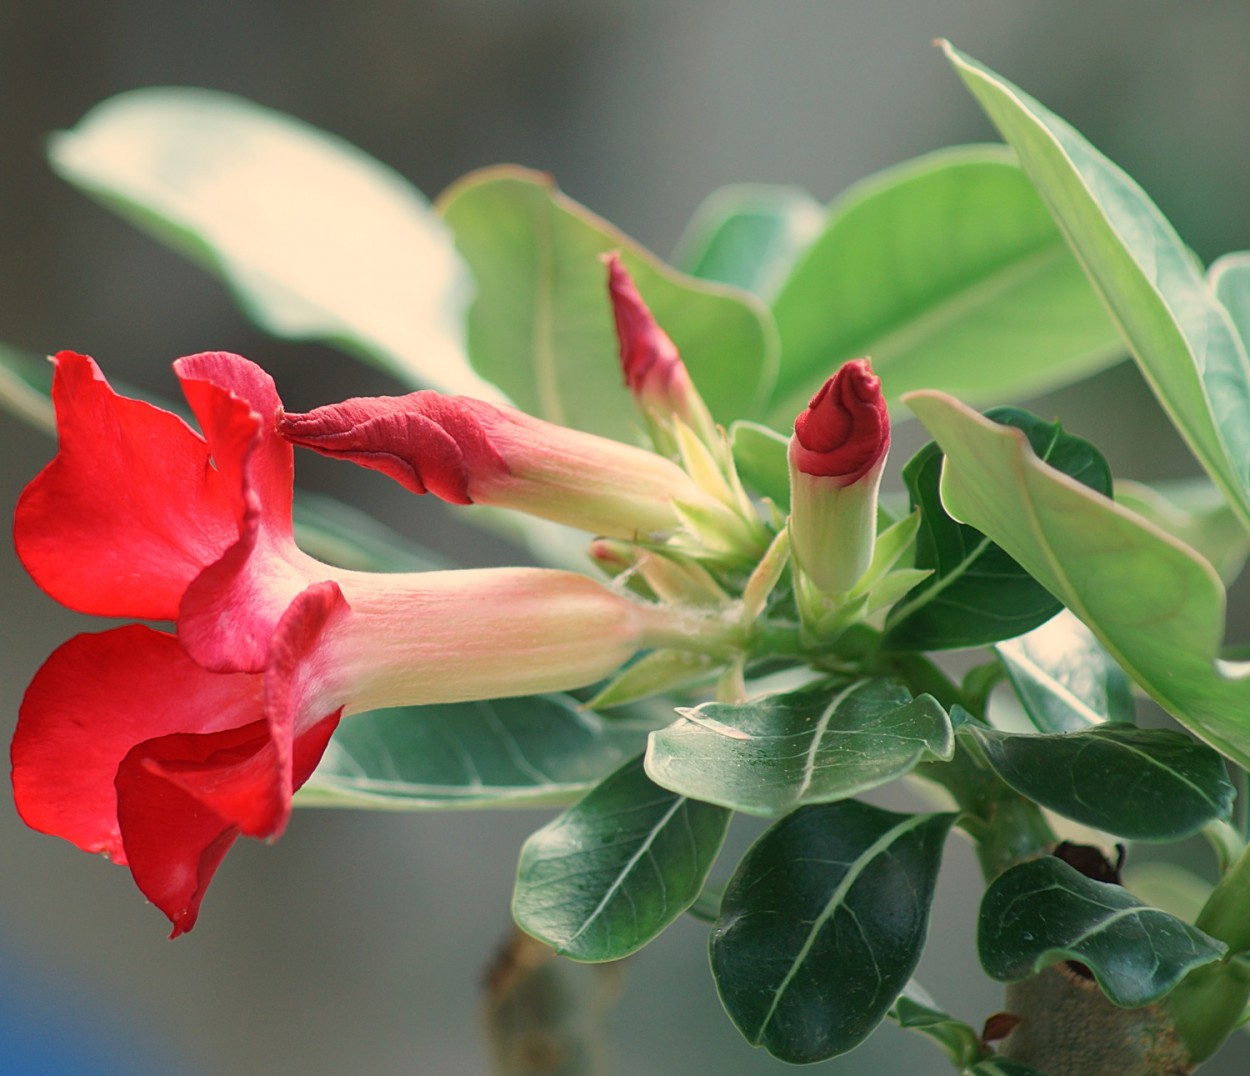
<point x="358" y="942"/>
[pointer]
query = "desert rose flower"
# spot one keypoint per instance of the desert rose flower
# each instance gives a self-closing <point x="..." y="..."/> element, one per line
<point x="467" y="451"/>
<point x="652" y="365"/>
<point x="161" y="750"/>
<point x="837" y="454"/>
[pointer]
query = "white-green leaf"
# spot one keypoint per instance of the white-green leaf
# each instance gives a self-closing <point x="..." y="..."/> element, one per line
<point x="316" y="239"/>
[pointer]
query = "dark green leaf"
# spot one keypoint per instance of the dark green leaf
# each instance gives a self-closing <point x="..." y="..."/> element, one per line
<point x="823" y="924"/>
<point x="818" y="744"/>
<point x="1044" y="911"/>
<point x="1064" y="677"/>
<point x="977" y="594"/>
<point x="315" y="237"/>
<point x="498" y="753"/>
<point x="1143" y="784"/>
<point x="1179" y="332"/>
<point x="541" y="325"/>
<point x="749" y="236"/>
<point x="950" y="274"/>
<point x="609" y="874"/>
<point x="346" y="537"/>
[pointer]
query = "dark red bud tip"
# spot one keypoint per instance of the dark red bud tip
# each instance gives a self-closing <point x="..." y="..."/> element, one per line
<point x="425" y="441"/>
<point x="845" y="430"/>
<point x="649" y="359"/>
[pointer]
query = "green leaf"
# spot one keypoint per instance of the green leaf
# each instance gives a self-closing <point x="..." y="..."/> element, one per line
<point x="346" y="537"/>
<point x="1181" y="335"/>
<point x="1195" y="512"/>
<point x="25" y="385"/>
<point x="749" y="235"/>
<point x="1044" y="911"/>
<point x="603" y="879"/>
<point x="541" y="327"/>
<point x="760" y="455"/>
<point x="950" y="274"/>
<point x="814" y="745"/>
<point x="534" y="751"/>
<point x="1156" y="606"/>
<point x="1003" y="1066"/>
<point x="977" y="593"/>
<point x="1064" y="677"/>
<point x="1143" y="784"/>
<point x="915" y="1010"/>
<point x="316" y="239"/>
<point x="822" y="925"/>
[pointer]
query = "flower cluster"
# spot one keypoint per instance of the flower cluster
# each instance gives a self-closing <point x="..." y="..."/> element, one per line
<point x="161" y="748"/>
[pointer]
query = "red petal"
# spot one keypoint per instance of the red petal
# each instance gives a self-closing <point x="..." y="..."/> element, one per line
<point x="129" y="511"/>
<point x="229" y="611"/>
<point x="649" y="358"/>
<point x="93" y="700"/>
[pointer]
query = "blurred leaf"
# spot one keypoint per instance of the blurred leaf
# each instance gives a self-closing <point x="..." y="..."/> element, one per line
<point x="346" y="537"/>
<point x="1064" y="678"/>
<point x="1195" y="512"/>
<point x="760" y="454"/>
<point x="1044" y="911"/>
<point x="535" y="751"/>
<point x="1003" y="1066"/>
<point x="817" y="744"/>
<point x="749" y="235"/>
<point x="1143" y="784"/>
<point x="1155" y="605"/>
<point x="949" y="273"/>
<point x="609" y="874"/>
<point x="541" y="326"/>
<point x="25" y="387"/>
<point x="915" y="1010"/>
<point x="977" y="594"/>
<point x="1180" y="334"/>
<point x="316" y="238"/>
<point x="822" y="925"/>
<point x="1168" y="886"/>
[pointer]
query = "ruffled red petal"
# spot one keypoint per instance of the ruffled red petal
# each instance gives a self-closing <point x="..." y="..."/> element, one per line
<point x="91" y="702"/>
<point x="129" y="511"/>
<point x="229" y="611"/>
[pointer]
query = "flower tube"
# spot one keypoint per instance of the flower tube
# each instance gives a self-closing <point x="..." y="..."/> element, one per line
<point x="837" y="455"/>
<point x="161" y="750"/>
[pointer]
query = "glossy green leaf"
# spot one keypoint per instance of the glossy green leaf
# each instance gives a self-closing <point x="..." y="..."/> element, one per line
<point x="1044" y="911"/>
<point x="541" y="326"/>
<point x="1064" y="678"/>
<point x="915" y="1010"/>
<point x="316" y="239"/>
<point x="749" y="235"/>
<point x="25" y="385"/>
<point x="949" y="273"/>
<point x="1194" y="511"/>
<point x="822" y="925"/>
<point x="609" y="874"/>
<point x="977" y="593"/>
<point x="1180" y="334"/>
<point x="533" y="751"/>
<point x="760" y="455"/>
<point x="1156" y="606"/>
<point x="818" y="744"/>
<point x="1142" y="784"/>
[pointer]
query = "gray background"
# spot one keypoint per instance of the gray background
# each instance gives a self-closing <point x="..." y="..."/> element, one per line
<point x="355" y="944"/>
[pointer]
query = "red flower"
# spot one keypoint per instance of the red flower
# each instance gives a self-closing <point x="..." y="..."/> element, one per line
<point x="162" y="750"/>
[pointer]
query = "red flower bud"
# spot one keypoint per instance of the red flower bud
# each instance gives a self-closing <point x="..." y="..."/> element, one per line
<point x="845" y="430"/>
